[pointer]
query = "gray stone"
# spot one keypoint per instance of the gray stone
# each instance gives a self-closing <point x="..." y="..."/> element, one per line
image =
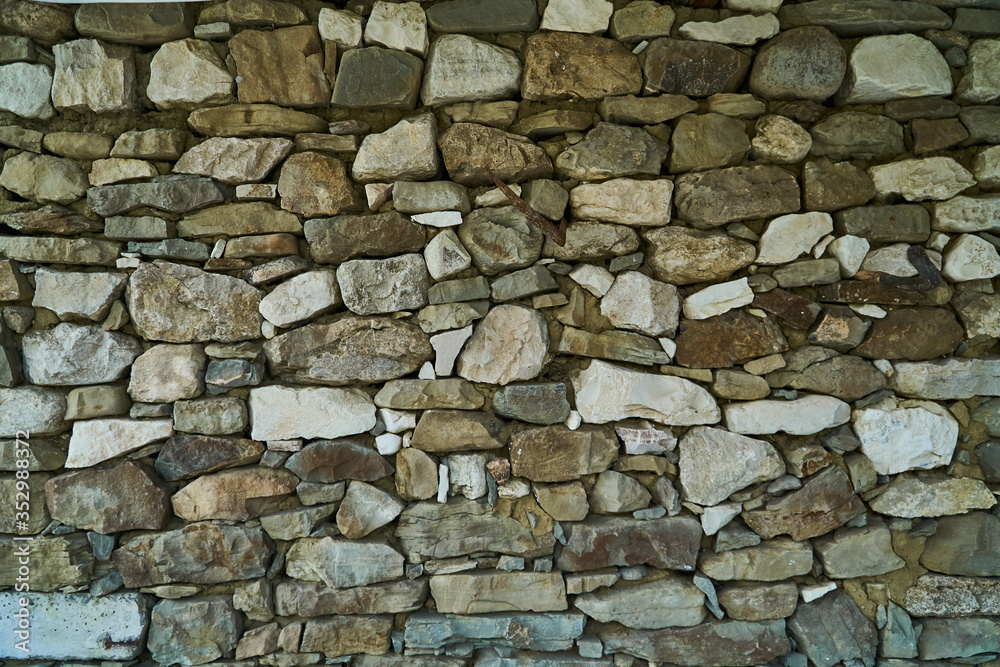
<point x="632" y="110"/>
<point x="854" y="19"/>
<point x="761" y="602"/>
<point x="416" y="197"/>
<point x="296" y="598"/>
<point x="429" y="631"/>
<point x="772" y="560"/>
<point x="899" y="638"/>
<point x="716" y="197"/>
<point x="416" y="394"/>
<point x="533" y="403"/>
<point x="71" y="354"/>
<point x="338" y="239"/>
<point x="831" y="186"/>
<point x="26" y="90"/>
<point x="187" y="74"/>
<point x="366" y="508"/>
<point x="461" y="68"/>
<point x="58" y="250"/>
<point x="671" y="601"/>
<point x="588" y="241"/>
<point x="907" y="223"/>
<point x="193" y="632"/>
<point x="692" y="68"/>
<point x="715" y="464"/>
<point x="166" y="373"/>
<point x="282" y="413"/>
<point x="526" y="282"/>
<point x="185" y="456"/>
<point x="171" y="249"/>
<point x="405" y="151"/>
<point x="174" y="194"/>
<point x="947" y="379"/>
<point x="342" y="563"/>
<point x="958" y="637"/>
<point x="832" y="629"/>
<point x="500" y="239"/>
<point x="683" y="256"/>
<point x="137" y="228"/>
<point x="97" y="440"/>
<point x="853" y="134"/>
<point x="211" y="416"/>
<point x="376" y="77"/>
<point x="129" y="496"/>
<point x="917" y="69"/>
<point x="858" y="552"/>
<point x="981" y="122"/>
<point x="808" y="272"/>
<point x="801" y="63"/>
<point x="44" y="178"/>
<point x="611" y="151"/>
<point x="707" y="141"/>
<point x="371" y="286"/>
<point x="615" y="493"/>
<point x="72" y="295"/>
<point x="478" y="16"/>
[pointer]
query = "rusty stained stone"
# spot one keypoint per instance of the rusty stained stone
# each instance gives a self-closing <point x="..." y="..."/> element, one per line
<point x="695" y="69"/>
<point x="913" y="334"/>
<point x="712" y="644"/>
<point x="557" y="454"/>
<point x="795" y="311"/>
<point x="729" y="339"/>
<point x="825" y="501"/>
<point x="596" y="542"/>
<point x="560" y="65"/>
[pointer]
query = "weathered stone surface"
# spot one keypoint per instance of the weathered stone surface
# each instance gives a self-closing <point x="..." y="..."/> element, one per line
<point x="958" y="637"/>
<point x="296" y="598"/>
<point x="469" y="150"/>
<point x="557" y="454"/>
<point x="728" y="339"/>
<point x="265" y="13"/>
<point x="32" y="409"/>
<point x="329" y="462"/>
<point x="833" y="630"/>
<point x="476" y="16"/>
<point x="250" y="120"/>
<point x="500" y="239"/>
<point x="802" y="416"/>
<point x="98" y="440"/>
<point x="825" y="501"/>
<point x="281" y="413"/>
<point x="174" y="194"/>
<point x="461" y="68"/>
<point x="93" y="76"/>
<point x="801" y="63"/>
<point x="929" y="495"/>
<point x="937" y="595"/>
<point x="183" y="304"/>
<point x="607" y="392"/>
<point x="534" y="403"/>
<point x="865" y="18"/>
<point x="44" y="178"/>
<point x="283" y="67"/>
<point x="376" y="77"/>
<point x="366" y="508"/>
<point x="233" y="495"/>
<point x="666" y="543"/>
<point x="714" y="198"/>
<point x="890" y="67"/>
<point x="201" y="553"/>
<point x="611" y="151"/>
<point x="192" y="632"/>
<point x="26" y="90"/>
<point x="967" y="214"/>
<point x="954" y="378"/>
<point x="707" y="141"/>
<point x="58" y="250"/>
<point x="456" y="430"/>
<point x="828" y="186"/>
<point x="301" y="298"/>
<point x="70" y="354"/>
<point x="371" y="286"/>
<point x="129" y="496"/>
<point x="77" y="295"/>
<point x="233" y="160"/>
<point x="744" y="30"/>
<point x="429" y="530"/>
<point x="852" y="134"/>
<point x="561" y="65"/>
<point x="166" y="373"/>
<point x="405" y="151"/>
<point x="614" y="345"/>
<point x="858" y="552"/>
<point x="429" y="631"/>
<point x="638" y="303"/>
<point x="964" y="545"/>
<point x="416" y="475"/>
<point x="141" y="24"/>
<point x="649" y="605"/>
<point x="51" y="219"/>
<point x="451" y="393"/>
<point x="336" y="240"/>
<point x="518" y="354"/>
<point x="682" y="256"/>
<point x="762" y="602"/>
<point x="710" y="644"/>
<point x="913" y="334"/>
<point x="185" y="456"/>
<point x="917" y="180"/>
<point x="715" y="464"/>
<point x="880" y="224"/>
<point x="369" y="349"/>
<point x="788" y="237"/>
<point x="695" y="69"/>
<point x="485" y="592"/>
<point x="623" y="200"/>
<point x="343" y="563"/>
<point x="313" y="184"/>
<point x="187" y="74"/>
<point x="970" y="257"/>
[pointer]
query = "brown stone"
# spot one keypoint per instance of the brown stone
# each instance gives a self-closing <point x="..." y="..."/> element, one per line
<point x="825" y="501"/>
<point x="314" y="184"/>
<point x="416" y="475"/>
<point x="838" y="328"/>
<point x="253" y="120"/>
<point x="667" y="543"/>
<point x="254" y="13"/>
<point x="560" y="65"/>
<point x="347" y="635"/>
<point x="238" y="219"/>
<point x="936" y="135"/>
<point x="759" y="602"/>
<point x="264" y="245"/>
<point x="51" y="219"/>
<point x="186" y="456"/>
<point x="681" y="256"/>
<point x="712" y="198"/>
<point x="328" y="462"/>
<point x="365" y="349"/>
<point x="456" y="430"/>
<point x="66" y="560"/>
<point x="845" y="377"/>
<point x="45" y="24"/>
<point x="201" y="553"/>
<point x="726" y="340"/>
<point x="712" y="644"/>
<point x="828" y="186"/>
<point x="470" y="149"/>
<point x="861" y="291"/>
<point x="300" y="598"/>
<point x="283" y="66"/>
<point x="914" y="334"/>
<point x="233" y="495"/>
<point x="129" y="496"/>
<point x="695" y="69"/>
<point x="142" y="24"/>
<point x="557" y="454"/>
<point x="795" y="311"/>
<point x="336" y="240"/>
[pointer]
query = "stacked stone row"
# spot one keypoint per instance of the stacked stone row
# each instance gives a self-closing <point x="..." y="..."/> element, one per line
<point x="299" y="383"/>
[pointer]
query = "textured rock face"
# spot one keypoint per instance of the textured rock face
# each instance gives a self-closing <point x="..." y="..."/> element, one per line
<point x="93" y="76"/>
<point x="129" y="496"/>
<point x="281" y="413"/>
<point x="715" y="463"/>
<point x="187" y="74"/>
<point x="502" y="359"/>
<point x="282" y="67"/>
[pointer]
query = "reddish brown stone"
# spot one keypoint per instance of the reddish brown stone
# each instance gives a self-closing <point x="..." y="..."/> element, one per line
<point x="667" y="543"/>
<point x="826" y="501"/>
<point x="470" y="149"/>
<point x="264" y="245"/>
<point x="727" y="340"/>
<point x="332" y="461"/>
<point x="862" y="291"/>
<point x="695" y="69"/>
<point x="795" y="311"/>
<point x="185" y="456"/>
<point x="314" y="184"/>
<point x="712" y="644"/>
<point x="284" y="67"/>
<point x="914" y="334"/>
<point x="936" y="135"/>
<point x="560" y="65"/>
<point x="557" y="454"/>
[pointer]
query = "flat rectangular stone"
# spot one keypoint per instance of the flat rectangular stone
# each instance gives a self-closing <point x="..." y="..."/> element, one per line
<point x="977" y="21"/>
<point x="430" y="631"/>
<point x="713" y="644"/>
<point x="940" y="595"/>
<point x="616" y="345"/>
<point x="947" y="379"/>
<point x="300" y="598"/>
<point x="484" y="592"/>
<point x="666" y="543"/>
<point x="50" y="250"/>
<point x="137" y="228"/>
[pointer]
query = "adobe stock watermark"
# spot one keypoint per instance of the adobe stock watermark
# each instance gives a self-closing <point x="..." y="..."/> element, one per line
<point x="22" y="544"/>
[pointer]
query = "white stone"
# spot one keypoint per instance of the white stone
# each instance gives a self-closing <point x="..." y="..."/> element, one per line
<point x="967" y="214"/>
<point x="916" y="180"/>
<point x="400" y="26"/>
<point x="446" y="256"/>
<point x="595" y="279"/>
<point x="96" y="440"/>
<point x="885" y="366"/>
<point x="397" y="421"/>
<point x="407" y="151"/>
<point x="461" y="68"/>
<point x="438" y="218"/>
<point x="892" y="67"/>
<point x="442" y="494"/>
<point x="745" y="30"/>
<point x="187" y="74"/>
<point x="810" y="593"/>
<point x="166" y="373"/>
<point x="802" y="416"/>
<point x="906" y="435"/>
<point x="947" y="379"/>
<point x="509" y="344"/>
<point x="790" y="236"/>
<point x="36" y="410"/>
<point x="986" y="168"/>
<point x="607" y="392"/>
<point x="93" y="76"/>
<point x="586" y="16"/>
<point x="426" y="372"/>
<point x="574" y="421"/>
<point x="496" y="197"/>
<point x="850" y="251"/>
<point x="715" y="463"/>
<point x="868" y="310"/>
<point x="892" y="259"/>
<point x="938" y="241"/>
<point x="70" y="354"/>
<point x="75" y="627"/>
<point x="917" y="495"/>
<point x="388" y="444"/>
<point x="341" y="27"/>
<point x="718" y="299"/>
<point x="301" y="298"/>
<point x="822" y="245"/>
<point x="980" y="83"/>
<point x="755" y="6"/>
<point x="447" y="346"/>
<point x="26" y="89"/>
<point x="970" y="258"/>
<point x="467" y="474"/>
<point x="283" y="413"/>
<point x="219" y="249"/>
<point x="117" y="169"/>
<point x="377" y="194"/>
<point x="232" y="160"/>
<point x="623" y="200"/>
<point x="646" y="439"/>
<point x="636" y="302"/>
<point x="73" y="294"/>
<point x="715" y="518"/>
<point x="780" y="140"/>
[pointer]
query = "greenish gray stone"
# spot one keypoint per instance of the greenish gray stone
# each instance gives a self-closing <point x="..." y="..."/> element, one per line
<point x="898" y="637"/>
<point x="966" y="545"/>
<point x="137" y="228"/>
<point x="712" y="198"/>
<point x="194" y="631"/>
<point x="854" y="134"/>
<point x="182" y="249"/>
<point x="828" y="186"/>
<point x="534" y="403"/>
<point x="429" y="196"/>
<point x="707" y="141"/>
<point x="977" y="21"/>
<point x="53" y="250"/>
<point x="239" y="219"/>
<point x="462" y="289"/>
<point x="141" y="24"/>
<point x="375" y="77"/>
<point x="907" y="223"/>
<point x="547" y="197"/>
<point x="174" y="194"/>
<point x="43" y="454"/>
<point x="808" y="272"/>
<point x="958" y="637"/>
<point x="983" y="124"/>
<point x="476" y="16"/>
<point x="16" y="48"/>
<point x="848" y="553"/>
<point x="500" y="239"/>
<point x="56" y="561"/>
<point x="526" y="282"/>
<point x="429" y="631"/>
<point x="805" y="63"/>
<point x="988" y="453"/>
<point x="628" y="262"/>
<point x="641" y="20"/>
<point x="632" y="110"/>
<point x="832" y="630"/>
<point x="611" y="151"/>
<point x="854" y="18"/>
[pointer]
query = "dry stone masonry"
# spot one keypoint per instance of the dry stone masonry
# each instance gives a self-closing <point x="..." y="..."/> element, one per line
<point x="713" y="379"/>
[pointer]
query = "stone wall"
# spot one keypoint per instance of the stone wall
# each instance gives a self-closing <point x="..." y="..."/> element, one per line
<point x="289" y="379"/>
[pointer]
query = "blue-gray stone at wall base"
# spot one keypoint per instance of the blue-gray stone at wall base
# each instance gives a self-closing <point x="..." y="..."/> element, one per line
<point x="430" y="631"/>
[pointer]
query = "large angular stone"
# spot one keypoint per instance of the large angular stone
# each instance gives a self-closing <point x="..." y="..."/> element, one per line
<point x="141" y="24"/>
<point x="760" y="602"/>
<point x="346" y="635"/>
<point x="33" y="410"/>
<point x="801" y="63"/>
<point x="773" y="560"/>
<point x="283" y="67"/>
<point x="301" y="298"/>
<point x="183" y="304"/>
<point x="485" y="592"/>
<point x="500" y="239"/>
<point x="233" y="495"/>
<point x="430" y="631"/>
<point x="50" y="219"/>
<point x="648" y="605"/>
<point x="185" y="456"/>
<point x="187" y="74"/>
<point x="947" y="379"/>
<point x="313" y="184"/>
<point x="460" y="68"/>
<point x="77" y="295"/>
<point x="232" y="160"/>
<point x="891" y="67"/>
<point x="833" y="630"/>
<point x="366" y="349"/>
<point x="511" y="343"/>
<point x="853" y="134"/>
<point x="404" y="152"/>
<point x="825" y="501"/>
<point x="958" y="637"/>
<point x="200" y="553"/>
<point x="43" y="178"/>
<point x="533" y="403"/>
<point x="707" y="141"/>
<point x="282" y="413"/>
<point x="297" y="598"/>
<point x="913" y="495"/>
<point x="917" y="180"/>
<point x="966" y="545"/>
<point x="914" y="334"/>
<point x="27" y="90"/>
<point x="93" y="76"/>
<point x="712" y="198"/>
<point x="607" y="392"/>
<point x="373" y="286"/>
<point x="336" y="240"/>
<point x="470" y="150"/>
<point x="681" y="256"/>
<point x="611" y="151"/>
<point x="858" y="552"/>
<point x="715" y="463"/>
<point x="174" y="194"/>
<point x="666" y="543"/>
<point x="374" y="77"/>
<point x="560" y="65"/>
<point x="193" y="632"/>
<point x="263" y="13"/>
<point x="96" y="440"/>
<point x="129" y="496"/>
<point x="906" y="435"/>
<point x="692" y="68"/>
<point x="70" y="354"/>
<point x="638" y="303"/>
<point x="557" y="454"/>
<point x="732" y="338"/>
<point x="440" y="431"/>
<point x="167" y="373"/>
<point x="713" y="644"/>
<point x="343" y="563"/>
<point x="429" y="530"/>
